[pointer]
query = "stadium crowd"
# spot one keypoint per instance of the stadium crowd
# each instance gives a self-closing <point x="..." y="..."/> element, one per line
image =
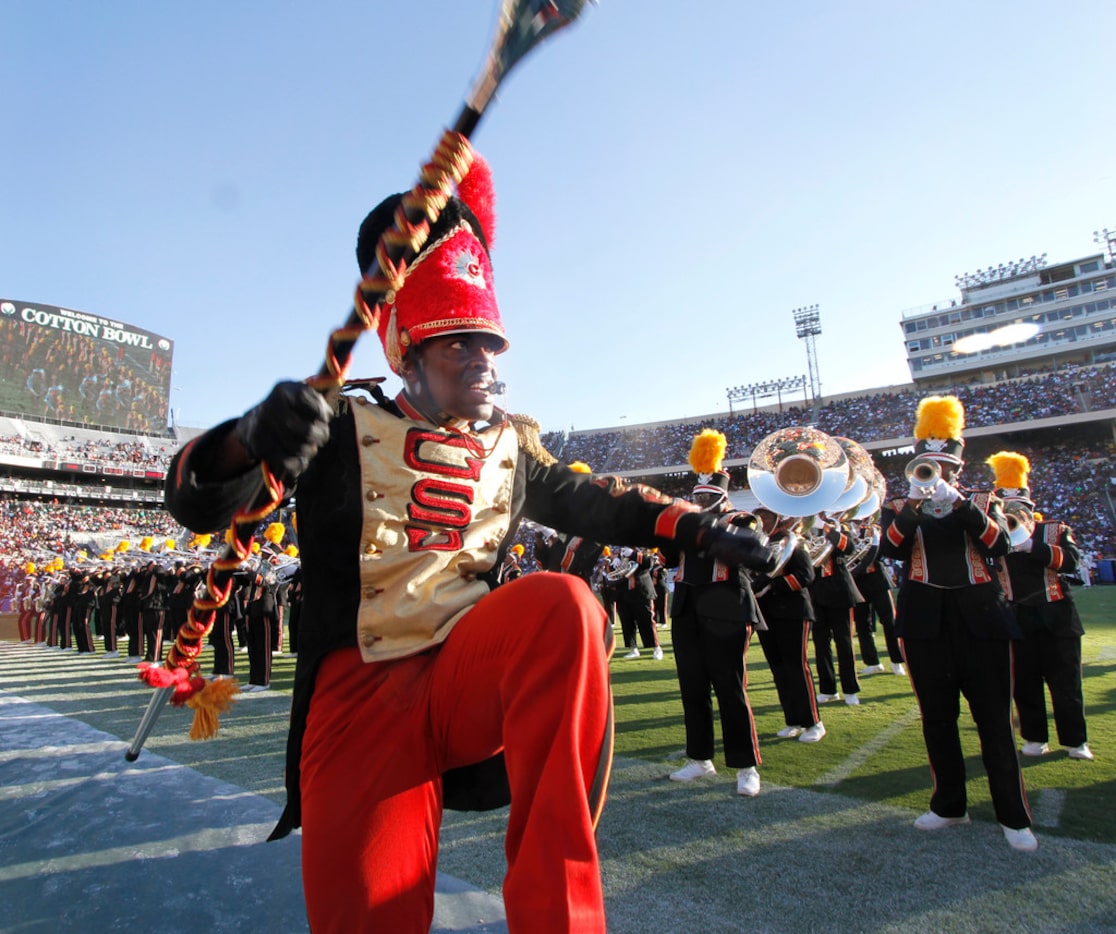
<point x="877" y="417"/>
<point x="1070" y="482"/>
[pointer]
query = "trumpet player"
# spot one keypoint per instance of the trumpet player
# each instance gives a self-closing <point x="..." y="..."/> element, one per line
<point x="1033" y="577"/>
<point x="954" y="624"/>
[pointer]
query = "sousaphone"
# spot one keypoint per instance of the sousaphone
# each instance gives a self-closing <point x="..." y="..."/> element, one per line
<point x="798" y="471"/>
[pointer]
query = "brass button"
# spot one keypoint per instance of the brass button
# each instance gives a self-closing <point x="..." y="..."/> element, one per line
<point x="368" y="441"/>
<point x="371" y="496"/>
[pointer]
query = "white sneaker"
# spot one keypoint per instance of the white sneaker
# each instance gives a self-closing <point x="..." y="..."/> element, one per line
<point x="747" y="782"/>
<point x="658" y="653"/>
<point x="1035" y="749"/>
<point x="1080" y="752"/>
<point x="873" y="670"/>
<point x="790" y="732"/>
<point x="852" y="700"/>
<point x="113" y="654"/>
<point x="634" y="653"/>
<point x="255" y="689"/>
<point x="897" y="668"/>
<point x="134" y="659"/>
<point x="694" y="768"/>
<point x="1022" y="839"/>
<point x="826" y="698"/>
<point x="813" y="734"/>
<point x="932" y="821"/>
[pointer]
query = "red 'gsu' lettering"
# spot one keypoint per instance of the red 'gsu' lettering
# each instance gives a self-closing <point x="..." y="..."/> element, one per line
<point x="440" y="509"/>
<point x="412" y="454"/>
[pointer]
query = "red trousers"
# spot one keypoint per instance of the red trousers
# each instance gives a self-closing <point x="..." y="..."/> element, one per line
<point x="525" y="671"/>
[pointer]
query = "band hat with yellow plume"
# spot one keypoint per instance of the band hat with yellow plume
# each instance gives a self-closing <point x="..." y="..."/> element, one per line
<point x="707" y="453"/>
<point x="939" y="424"/>
<point x="1011" y="471"/>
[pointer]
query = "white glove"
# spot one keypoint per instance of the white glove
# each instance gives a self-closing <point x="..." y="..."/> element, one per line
<point x="945" y="493"/>
<point x="1024" y="546"/>
<point x="917" y="491"/>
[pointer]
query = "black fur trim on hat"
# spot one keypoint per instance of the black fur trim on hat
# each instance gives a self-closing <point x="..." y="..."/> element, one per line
<point x="379" y="219"/>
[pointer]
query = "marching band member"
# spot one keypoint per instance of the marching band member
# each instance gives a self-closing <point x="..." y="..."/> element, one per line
<point x="419" y="684"/>
<point x="635" y="603"/>
<point x="873" y="579"/>
<point x="834" y="595"/>
<point x="1049" y="654"/>
<point x="954" y="625"/>
<point x="713" y="615"/>
<point x="784" y="601"/>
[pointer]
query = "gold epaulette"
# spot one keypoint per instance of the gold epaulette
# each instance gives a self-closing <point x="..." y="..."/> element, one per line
<point x="529" y="440"/>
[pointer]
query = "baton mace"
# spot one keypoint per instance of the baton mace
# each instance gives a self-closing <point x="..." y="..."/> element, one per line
<point x="521" y="26"/>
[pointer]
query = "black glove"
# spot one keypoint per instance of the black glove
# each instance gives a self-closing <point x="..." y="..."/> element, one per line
<point x="286" y="429"/>
<point x="740" y="547"/>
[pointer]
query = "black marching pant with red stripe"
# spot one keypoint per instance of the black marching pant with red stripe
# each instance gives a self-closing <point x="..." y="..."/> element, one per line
<point x="942" y="670"/>
<point x="785" y="645"/>
<point x="710" y="653"/>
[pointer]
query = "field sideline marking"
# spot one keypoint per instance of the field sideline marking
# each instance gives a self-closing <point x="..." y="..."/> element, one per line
<point x="837" y="775"/>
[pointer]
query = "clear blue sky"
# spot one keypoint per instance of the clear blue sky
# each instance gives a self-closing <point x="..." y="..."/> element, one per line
<point x="673" y="179"/>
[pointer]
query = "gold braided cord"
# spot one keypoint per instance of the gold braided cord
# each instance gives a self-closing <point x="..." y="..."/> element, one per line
<point x="437" y="180"/>
<point x="449" y="164"/>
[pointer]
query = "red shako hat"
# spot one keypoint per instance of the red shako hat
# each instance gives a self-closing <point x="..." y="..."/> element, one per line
<point x="448" y="288"/>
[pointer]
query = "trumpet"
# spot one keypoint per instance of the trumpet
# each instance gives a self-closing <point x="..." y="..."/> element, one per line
<point x="923" y="472"/>
<point x="1020" y="522"/>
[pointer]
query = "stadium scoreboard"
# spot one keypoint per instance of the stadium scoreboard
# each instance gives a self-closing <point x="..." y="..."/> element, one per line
<point x="72" y="366"/>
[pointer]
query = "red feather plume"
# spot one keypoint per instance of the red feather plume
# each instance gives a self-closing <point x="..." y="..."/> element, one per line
<point x="476" y="190"/>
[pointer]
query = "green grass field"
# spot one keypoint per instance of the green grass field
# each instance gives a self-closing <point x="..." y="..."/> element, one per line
<point x="875" y="751"/>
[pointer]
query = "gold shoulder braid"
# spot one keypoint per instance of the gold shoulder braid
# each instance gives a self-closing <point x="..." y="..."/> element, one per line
<point x="528" y="431"/>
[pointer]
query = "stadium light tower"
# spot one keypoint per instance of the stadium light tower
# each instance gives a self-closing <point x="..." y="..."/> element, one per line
<point x="807" y="325"/>
<point x="765" y="389"/>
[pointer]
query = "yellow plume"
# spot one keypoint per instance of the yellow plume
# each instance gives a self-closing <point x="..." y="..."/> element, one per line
<point x="274" y="532"/>
<point x="580" y="467"/>
<point x="1011" y="469"/>
<point x="707" y="451"/>
<point x="939" y="417"/>
<point x="291" y="551"/>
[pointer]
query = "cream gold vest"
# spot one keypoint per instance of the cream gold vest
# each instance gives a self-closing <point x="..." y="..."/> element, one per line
<point x="436" y="504"/>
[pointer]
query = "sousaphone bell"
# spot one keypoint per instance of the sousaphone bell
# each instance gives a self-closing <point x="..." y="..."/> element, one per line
<point x="798" y="472"/>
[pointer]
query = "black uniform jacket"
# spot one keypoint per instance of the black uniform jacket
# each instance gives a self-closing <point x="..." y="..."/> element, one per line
<point x="1035" y="581"/>
<point x="329" y="517"/>
<point x="949" y="558"/>
<point x="788" y="594"/>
